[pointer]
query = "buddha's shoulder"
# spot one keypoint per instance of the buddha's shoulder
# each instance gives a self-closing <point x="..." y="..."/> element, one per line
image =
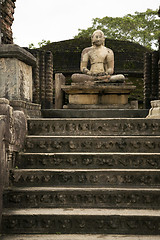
<point x="108" y="50"/>
<point x="86" y="50"/>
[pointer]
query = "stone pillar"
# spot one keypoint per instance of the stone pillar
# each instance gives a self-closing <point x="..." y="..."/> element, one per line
<point x="16" y="73"/>
<point x="36" y="78"/>
<point x="59" y="93"/>
<point x="147" y="80"/>
<point x="154" y="87"/>
<point x="49" y="80"/>
<point x="42" y="78"/>
<point x="159" y="77"/>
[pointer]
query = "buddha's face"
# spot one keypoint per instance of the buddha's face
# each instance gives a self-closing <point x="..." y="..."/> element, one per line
<point x="98" y="38"/>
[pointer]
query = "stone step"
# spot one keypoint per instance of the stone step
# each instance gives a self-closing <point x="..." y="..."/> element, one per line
<point x="85" y="178"/>
<point x="94" y="126"/>
<point x="88" y="160"/>
<point x="49" y="197"/>
<point x="79" y="237"/>
<point x="148" y="144"/>
<point x="80" y="221"/>
<point x="95" y="113"/>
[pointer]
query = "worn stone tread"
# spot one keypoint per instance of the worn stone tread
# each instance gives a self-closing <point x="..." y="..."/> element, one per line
<point x="92" y="113"/>
<point x="79" y="237"/>
<point x="85" y="170"/>
<point x="86" y="177"/>
<point x="80" y="212"/>
<point x="56" y="197"/>
<point x="91" y="153"/>
<point x="89" y="160"/>
<point x="92" y="144"/>
<point x="37" y="189"/>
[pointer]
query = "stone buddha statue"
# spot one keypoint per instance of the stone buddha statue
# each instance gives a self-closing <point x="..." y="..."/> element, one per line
<point x="101" y="60"/>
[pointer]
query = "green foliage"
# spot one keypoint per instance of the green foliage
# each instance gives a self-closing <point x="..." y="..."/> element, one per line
<point x="40" y="44"/>
<point x="142" y="27"/>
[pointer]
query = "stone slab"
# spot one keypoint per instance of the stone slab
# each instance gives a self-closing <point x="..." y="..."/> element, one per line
<point x="95" y="113"/>
<point x="94" y="126"/>
<point x="57" y="144"/>
<point x="121" y="89"/>
<point x="15" y="51"/>
<point x="101" y="106"/>
<point x="80" y="221"/>
<point x="79" y="237"/>
<point x="85" y="178"/>
<point x="16" y="79"/>
<point x="16" y="72"/>
<point x="49" y="197"/>
<point x="88" y="160"/>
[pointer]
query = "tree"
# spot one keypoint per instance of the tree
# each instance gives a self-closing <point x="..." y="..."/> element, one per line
<point x="142" y="27"/>
<point x="40" y="44"/>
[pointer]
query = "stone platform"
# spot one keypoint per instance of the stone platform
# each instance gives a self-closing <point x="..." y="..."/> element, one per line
<point x="104" y="95"/>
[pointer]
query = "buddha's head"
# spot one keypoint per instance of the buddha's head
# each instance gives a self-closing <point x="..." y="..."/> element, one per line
<point x="98" y="38"/>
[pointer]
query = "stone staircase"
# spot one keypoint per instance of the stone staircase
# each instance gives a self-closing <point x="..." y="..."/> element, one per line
<point x="86" y="177"/>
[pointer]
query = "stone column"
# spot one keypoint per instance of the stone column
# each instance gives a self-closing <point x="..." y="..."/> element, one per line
<point x="147" y="79"/>
<point x="49" y="80"/>
<point x="159" y="78"/>
<point x="59" y="93"/>
<point x="42" y="78"/>
<point x="16" y="73"/>
<point x="154" y="83"/>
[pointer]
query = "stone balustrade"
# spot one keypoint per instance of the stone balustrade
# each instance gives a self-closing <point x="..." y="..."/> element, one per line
<point x="13" y="128"/>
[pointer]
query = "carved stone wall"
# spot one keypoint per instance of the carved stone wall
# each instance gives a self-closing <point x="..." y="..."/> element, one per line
<point x="6" y="20"/>
<point x="151" y="78"/>
<point x="43" y="78"/>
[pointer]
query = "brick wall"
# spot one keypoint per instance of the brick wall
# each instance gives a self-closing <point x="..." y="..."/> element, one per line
<point x="6" y="20"/>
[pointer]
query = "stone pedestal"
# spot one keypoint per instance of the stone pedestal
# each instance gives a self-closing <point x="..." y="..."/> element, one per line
<point x="98" y="96"/>
<point x="154" y="112"/>
<point x="15" y="73"/>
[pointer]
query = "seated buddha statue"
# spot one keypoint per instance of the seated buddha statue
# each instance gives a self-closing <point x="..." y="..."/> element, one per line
<point x="101" y="60"/>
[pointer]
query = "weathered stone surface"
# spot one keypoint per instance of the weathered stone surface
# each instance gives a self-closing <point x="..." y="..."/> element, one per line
<point x="98" y="94"/>
<point x="154" y="112"/>
<point x="16" y="73"/>
<point x="2" y="160"/>
<point x="79" y="237"/>
<point x="6" y="21"/>
<point x="14" y="51"/>
<point x="92" y="144"/>
<point x="94" y="127"/>
<point x="70" y="221"/>
<point x="20" y="129"/>
<point x="59" y="94"/>
<point x="30" y="109"/>
<point x="95" y="113"/>
<point x="87" y="198"/>
<point x="88" y="160"/>
<point x="83" y="178"/>
<point x="16" y="79"/>
<point x="104" y="180"/>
